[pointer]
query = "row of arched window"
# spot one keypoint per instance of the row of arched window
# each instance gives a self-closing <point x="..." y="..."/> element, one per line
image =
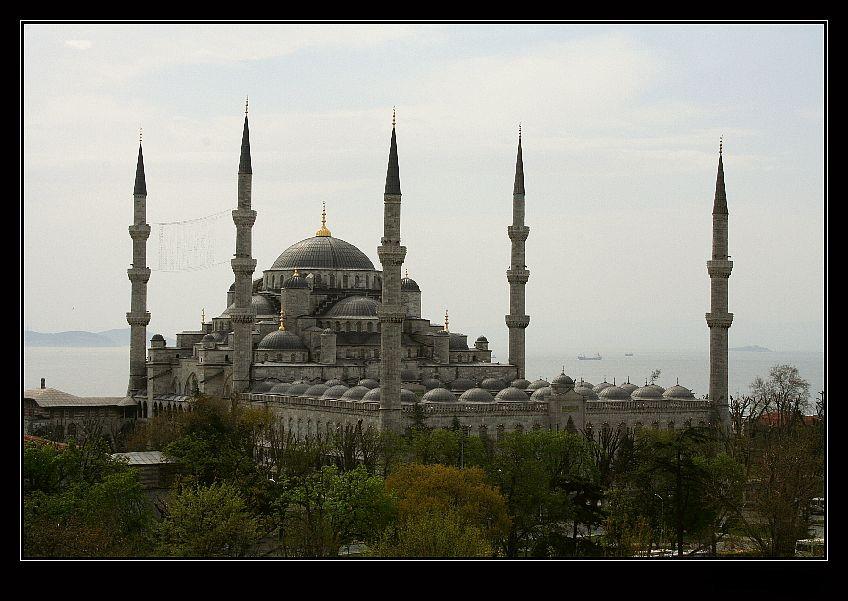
<point x="364" y="281"/>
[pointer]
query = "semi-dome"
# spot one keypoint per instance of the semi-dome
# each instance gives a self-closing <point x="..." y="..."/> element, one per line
<point x="494" y="384"/>
<point x="540" y="394"/>
<point x="282" y="388"/>
<point x="458" y="342"/>
<point x="678" y="392"/>
<point x="369" y="383"/>
<point x="334" y="392"/>
<point x="262" y="386"/>
<point x="323" y="252"/>
<point x="520" y="383"/>
<point x="296" y="281"/>
<point x="438" y="395"/>
<point x="372" y="395"/>
<point x="316" y="390"/>
<point x="409" y="284"/>
<point x="219" y="336"/>
<point x="461" y="384"/>
<point x="354" y="306"/>
<point x="601" y="386"/>
<point x="512" y="395"/>
<point x="261" y="305"/>
<point x="298" y="388"/>
<point x="538" y="384"/>
<point x="356" y="393"/>
<point x="431" y="383"/>
<point x="476" y="395"/>
<point x="280" y="340"/>
<point x="614" y="393"/>
<point x="407" y="396"/>
<point x="649" y="391"/>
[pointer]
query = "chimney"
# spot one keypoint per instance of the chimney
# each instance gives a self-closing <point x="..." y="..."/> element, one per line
<point x="42" y="382"/>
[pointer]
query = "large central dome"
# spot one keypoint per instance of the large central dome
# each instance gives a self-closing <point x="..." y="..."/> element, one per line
<point x="323" y="252"/>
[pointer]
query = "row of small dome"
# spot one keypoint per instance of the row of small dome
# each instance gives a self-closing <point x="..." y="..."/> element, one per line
<point x="627" y="391"/>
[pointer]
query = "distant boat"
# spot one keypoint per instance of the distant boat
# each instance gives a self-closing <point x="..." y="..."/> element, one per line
<point x="597" y="357"/>
<point x="628" y="354"/>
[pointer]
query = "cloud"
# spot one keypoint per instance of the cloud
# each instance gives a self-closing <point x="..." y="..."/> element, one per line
<point x="78" y="44"/>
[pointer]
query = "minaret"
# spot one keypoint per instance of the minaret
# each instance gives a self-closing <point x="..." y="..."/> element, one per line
<point x="391" y="312"/>
<point x="718" y="319"/>
<point x="518" y="274"/>
<point x="243" y="266"/>
<point x="138" y="316"/>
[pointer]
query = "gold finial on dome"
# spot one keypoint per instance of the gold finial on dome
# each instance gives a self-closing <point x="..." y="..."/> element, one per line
<point x="203" y="315"/>
<point x="447" y="321"/>
<point x="282" y="318"/>
<point x="323" y="231"/>
<point x="405" y="273"/>
<point x="394" y="117"/>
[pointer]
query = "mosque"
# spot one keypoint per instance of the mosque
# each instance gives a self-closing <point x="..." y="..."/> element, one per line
<point x="324" y="339"/>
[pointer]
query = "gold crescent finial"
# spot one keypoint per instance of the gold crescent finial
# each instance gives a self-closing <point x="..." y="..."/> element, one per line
<point x="323" y="231"/>
<point x="519" y="130"/>
<point x="405" y="273"/>
<point x="245" y="104"/>
<point x="296" y="273"/>
<point x="140" y="131"/>
<point x="203" y="315"/>
<point x="282" y="318"/>
<point x="394" y="116"/>
<point x="447" y="321"/>
<point x="720" y="144"/>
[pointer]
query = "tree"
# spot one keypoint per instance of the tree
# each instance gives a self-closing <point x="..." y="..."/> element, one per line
<point x="209" y="521"/>
<point x="433" y="534"/>
<point x="655" y="374"/>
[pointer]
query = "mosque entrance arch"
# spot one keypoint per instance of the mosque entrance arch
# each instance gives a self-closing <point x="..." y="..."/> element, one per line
<point x="191" y="385"/>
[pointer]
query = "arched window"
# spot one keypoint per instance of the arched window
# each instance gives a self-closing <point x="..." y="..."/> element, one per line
<point x="332" y="280"/>
<point x="292" y="358"/>
<point x="367" y="281"/>
<point x="338" y="327"/>
<point x="370" y="327"/>
<point x="358" y="326"/>
<point x="344" y="280"/>
<point x="356" y="281"/>
<point x="347" y="326"/>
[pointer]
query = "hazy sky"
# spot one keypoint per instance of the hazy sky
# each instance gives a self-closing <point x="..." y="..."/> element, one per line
<point x="621" y="127"/>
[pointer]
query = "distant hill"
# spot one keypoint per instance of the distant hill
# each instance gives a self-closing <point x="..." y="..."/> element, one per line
<point x="80" y="339"/>
<point x="752" y="349"/>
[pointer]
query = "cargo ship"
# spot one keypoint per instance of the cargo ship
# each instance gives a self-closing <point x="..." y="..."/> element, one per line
<point x="597" y="357"/>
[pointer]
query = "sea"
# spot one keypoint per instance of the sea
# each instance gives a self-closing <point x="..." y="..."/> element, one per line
<point x="103" y="371"/>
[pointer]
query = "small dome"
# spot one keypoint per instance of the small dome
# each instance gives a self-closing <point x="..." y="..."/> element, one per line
<point x="493" y="384"/>
<point x="482" y="339"/>
<point x="408" y="375"/>
<point x="462" y="384"/>
<point x="678" y="392"/>
<point x="409" y="284"/>
<point x="601" y="386"/>
<point x="476" y="395"/>
<point x="431" y="383"/>
<point x="458" y="342"/>
<point x="628" y="387"/>
<point x="586" y="392"/>
<point x="298" y="389"/>
<point x="512" y="395"/>
<point x="316" y="390"/>
<point x="584" y="383"/>
<point x="407" y="396"/>
<point x="333" y="382"/>
<point x="648" y="392"/>
<point x="372" y="395"/>
<point x="335" y="392"/>
<point x="282" y="388"/>
<point x="614" y="393"/>
<point x="261" y="305"/>
<point x="326" y="331"/>
<point x="520" y="383"/>
<point x="369" y="383"/>
<point x="296" y="281"/>
<point x="262" y="386"/>
<point x="538" y="384"/>
<point x="354" y="306"/>
<point x="279" y="340"/>
<point x="356" y="393"/>
<point x="158" y="338"/>
<point x="563" y="380"/>
<point x="540" y="394"/>
<point x="438" y="395"/>
<point x="209" y="338"/>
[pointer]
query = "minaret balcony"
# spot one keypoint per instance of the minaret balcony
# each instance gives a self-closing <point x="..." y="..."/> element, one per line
<point x="243" y="265"/>
<point x="391" y="313"/>
<point x="244" y="217"/>
<point x="140" y="231"/>
<point x="719" y="320"/>
<point x="517" y="276"/>
<point x="138" y="274"/>
<point x="517" y="321"/>
<point x="242" y="315"/>
<point x="391" y="255"/>
<point x="719" y="268"/>
<point x="138" y="319"/>
<point x="518" y="233"/>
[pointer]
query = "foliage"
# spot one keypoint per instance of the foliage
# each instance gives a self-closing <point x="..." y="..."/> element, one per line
<point x="433" y="534"/>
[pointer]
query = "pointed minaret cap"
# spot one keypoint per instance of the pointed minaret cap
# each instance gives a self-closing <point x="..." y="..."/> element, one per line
<point x="518" y="188"/>
<point x="140" y="183"/>
<point x="393" y="172"/>
<point x="720" y="202"/>
<point x="244" y="160"/>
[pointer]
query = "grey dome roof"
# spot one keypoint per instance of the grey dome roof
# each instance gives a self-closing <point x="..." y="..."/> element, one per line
<point x="462" y="384"/>
<point x="333" y="382"/>
<point x="538" y="384"/>
<point x="541" y="394"/>
<point x="282" y="388"/>
<point x="563" y="380"/>
<point x="157" y="337"/>
<point x="493" y="384"/>
<point x="323" y="252"/>
<point x="599" y="387"/>
<point x="649" y="391"/>
<point x="628" y="387"/>
<point x="476" y="395"/>
<point x="262" y="386"/>
<point x="408" y="375"/>
<point x="431" y="383"/>
<point x="299" y="388"/>
<point x="296" y="281"/>
<point x="219" y="336"/>
<point x="614" y="393"/>
<point x="512" y="395"/>
<point x="316" y="390"/>
<point x="482" y="339"/>
<point x="334" y="392"/>
<point x="438" y="395"/>
<point x="678" y="392"/>
<point x="261" y="305"/>
<point x="372" y="395"/>
<point x="586" y="392"/>
<point x="354" y="306"/>
<point x="281" y="341"/>
<point x="369" y="383"/>
<point x="458" y="342"/>
<point x="407" y="396"/>
<point x="356" y="393"/>
<point x="208" y="338"/>
<point x="584" y="384"/>
<point x="409" y="284"/>
<point x="520" y="383"/>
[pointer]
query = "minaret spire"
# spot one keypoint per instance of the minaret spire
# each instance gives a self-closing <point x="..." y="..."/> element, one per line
<point x="720" y="201"/>
<point x="393" y="171"/>
<point x="517" y="274"/>
<point x="140" y="183"/>
<point x="244" y="159"/>
<point x="518" y="188"/>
